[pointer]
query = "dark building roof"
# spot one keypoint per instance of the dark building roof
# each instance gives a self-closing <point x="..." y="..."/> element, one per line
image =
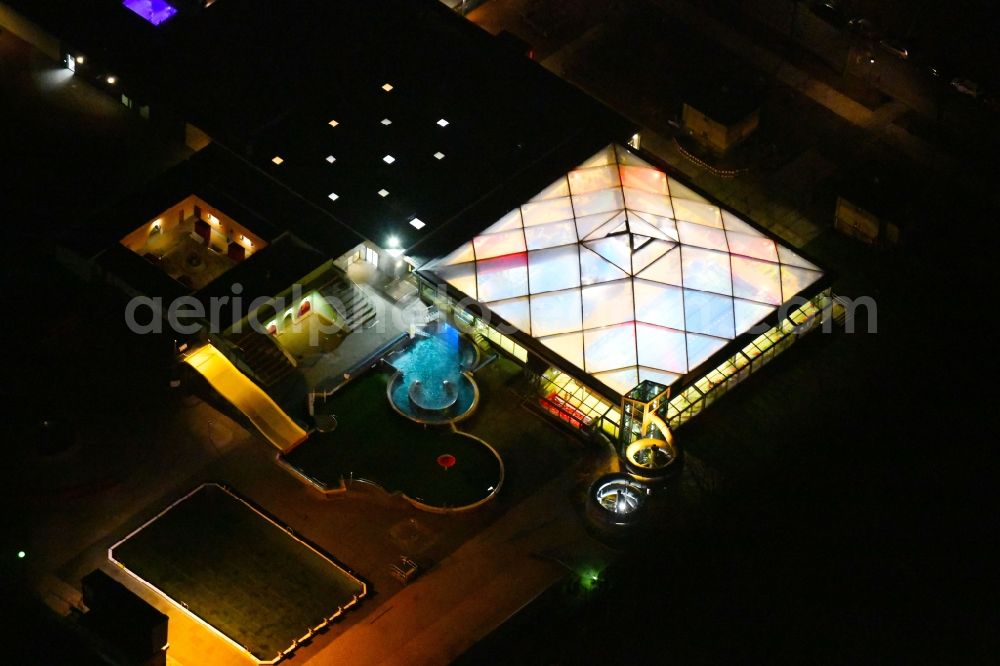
<point x="264" y="275"/>
<point x="725" y="102"/>
<point x="266" y="77"/>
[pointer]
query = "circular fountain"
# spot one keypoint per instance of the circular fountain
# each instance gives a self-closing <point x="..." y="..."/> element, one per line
<point x="433" y="384"/>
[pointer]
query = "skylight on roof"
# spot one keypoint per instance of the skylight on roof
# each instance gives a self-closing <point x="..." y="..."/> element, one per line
<point x="331" y="159"/>
<point x="277" y="160"/>
<point x="443" y="122"/>
<point x="383" y="193"/>
<point x="154" y="11"/>
<point x="439" y="155"/>
<point x="387" y="87"/>
<point x="333" y="196"/>
<point x="388" y="159"/>
<point x="417" y="223"/>
<point x="626" y="273"/>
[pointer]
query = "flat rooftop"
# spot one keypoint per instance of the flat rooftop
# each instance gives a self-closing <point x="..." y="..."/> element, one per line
<point x="237" y="570"/>
<point x="431" y="114"/>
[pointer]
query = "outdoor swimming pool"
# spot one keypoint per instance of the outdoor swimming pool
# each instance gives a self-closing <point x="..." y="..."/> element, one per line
<point x="432" y="384"/>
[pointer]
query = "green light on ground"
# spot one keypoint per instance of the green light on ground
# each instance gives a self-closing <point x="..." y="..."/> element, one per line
<point x="21" y="554"/>
<point x="589" y="578"/>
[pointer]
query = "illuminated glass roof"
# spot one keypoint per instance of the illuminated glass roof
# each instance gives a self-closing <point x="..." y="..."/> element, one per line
<point x="626" y="273"/>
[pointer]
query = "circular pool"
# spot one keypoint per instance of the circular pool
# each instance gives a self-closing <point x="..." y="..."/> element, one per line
<point x="433" y="383"/>
<point x="430" y="402"/>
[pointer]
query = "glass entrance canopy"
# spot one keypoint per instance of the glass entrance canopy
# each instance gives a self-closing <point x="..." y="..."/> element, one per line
<point x="626" y="273"/>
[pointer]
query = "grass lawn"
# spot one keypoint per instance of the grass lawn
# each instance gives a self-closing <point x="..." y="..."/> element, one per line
<point x="374" y="443"/>
<point x="238" y="572"/>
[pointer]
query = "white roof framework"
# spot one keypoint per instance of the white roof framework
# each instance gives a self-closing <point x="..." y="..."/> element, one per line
<point x="625" y="273"/>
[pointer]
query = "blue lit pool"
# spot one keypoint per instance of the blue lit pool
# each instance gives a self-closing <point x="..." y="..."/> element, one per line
<point x="432" y="383"/>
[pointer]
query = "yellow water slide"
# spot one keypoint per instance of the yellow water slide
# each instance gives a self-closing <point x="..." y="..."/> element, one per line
<point x="247" y="397"/>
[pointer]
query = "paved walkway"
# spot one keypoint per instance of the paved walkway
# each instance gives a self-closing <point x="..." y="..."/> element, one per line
<point x="476" y="588"/>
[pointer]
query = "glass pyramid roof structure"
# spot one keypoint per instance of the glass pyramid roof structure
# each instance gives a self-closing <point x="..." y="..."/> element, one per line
<point x="626" y="273"/>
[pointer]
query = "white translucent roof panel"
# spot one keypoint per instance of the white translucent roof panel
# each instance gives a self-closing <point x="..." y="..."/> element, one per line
<point x="602" y="157"/>
<point x="748" y="313"/>
<point x="794" y="279"/>
<point x="560" y="188"/>
<point x="587" y="224"/>
<point x="681" y="191"/>
<point x="555" y="312"/>
<point x="660" y="304"/>
<point x="658" y="376"/>
<point x="626" y="273"/>
<point x="609" y="348"/>
<point x="712" y="314"/>
<point x="698" y="212"/>
<point x="706" y="270"/>
<point x="595" y="268"/>
<point x="702" y="236"/>
<point x="599" y="201"/>
<point x="662" y="348"/>
<point x="550" y="235"/>
<point x="550" y="210"/>
<point x="700" y="347"/>
<point x="615" y="249"/>
<point x="607" y="303"/>
<point x="749" y="245"/>
<point x="497" y="245"/>
<point x="593" y="179"/>
<point x="508" y="222"/>
<point x="623" y="380"/>
<point x="567" y="345"/>
<point x="554" y="269"/>
<point x="756" y="280"/>
<point x="647" y="179"/>
<point x="666" y="269"/>
<point x="647" y="202"/>
<point x="460" y="276"/>
<point x="648" y="252"/>
<point x="463" y="254"/>
<point x="515" y="311"/>
<point x="503" y="277"/>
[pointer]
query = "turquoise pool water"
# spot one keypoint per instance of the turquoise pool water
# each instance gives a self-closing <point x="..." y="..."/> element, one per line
<point x="430" y="386"/>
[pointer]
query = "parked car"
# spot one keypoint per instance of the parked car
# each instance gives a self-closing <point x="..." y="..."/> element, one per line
<point x="966" y="87"/>
<point x="895" y="47"/>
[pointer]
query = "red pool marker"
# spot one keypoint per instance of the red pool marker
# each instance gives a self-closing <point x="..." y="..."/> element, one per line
<point x="447" y="461"/>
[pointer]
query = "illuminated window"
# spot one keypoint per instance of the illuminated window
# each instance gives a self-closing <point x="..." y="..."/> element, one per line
<point x="333" y="196"/>
<point x="439" y="155"/>
<point x="386" y="122"/>
<point x="417" y="223"/>
<point x="388" y="159"/>
<point x="331" y="159"/>
<point x="277" y="160"/>
<point x="383" y="193"/>
<point x="387" y="87"/>
<point x="333" y="123"/>
<point x="443" y="122"/>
